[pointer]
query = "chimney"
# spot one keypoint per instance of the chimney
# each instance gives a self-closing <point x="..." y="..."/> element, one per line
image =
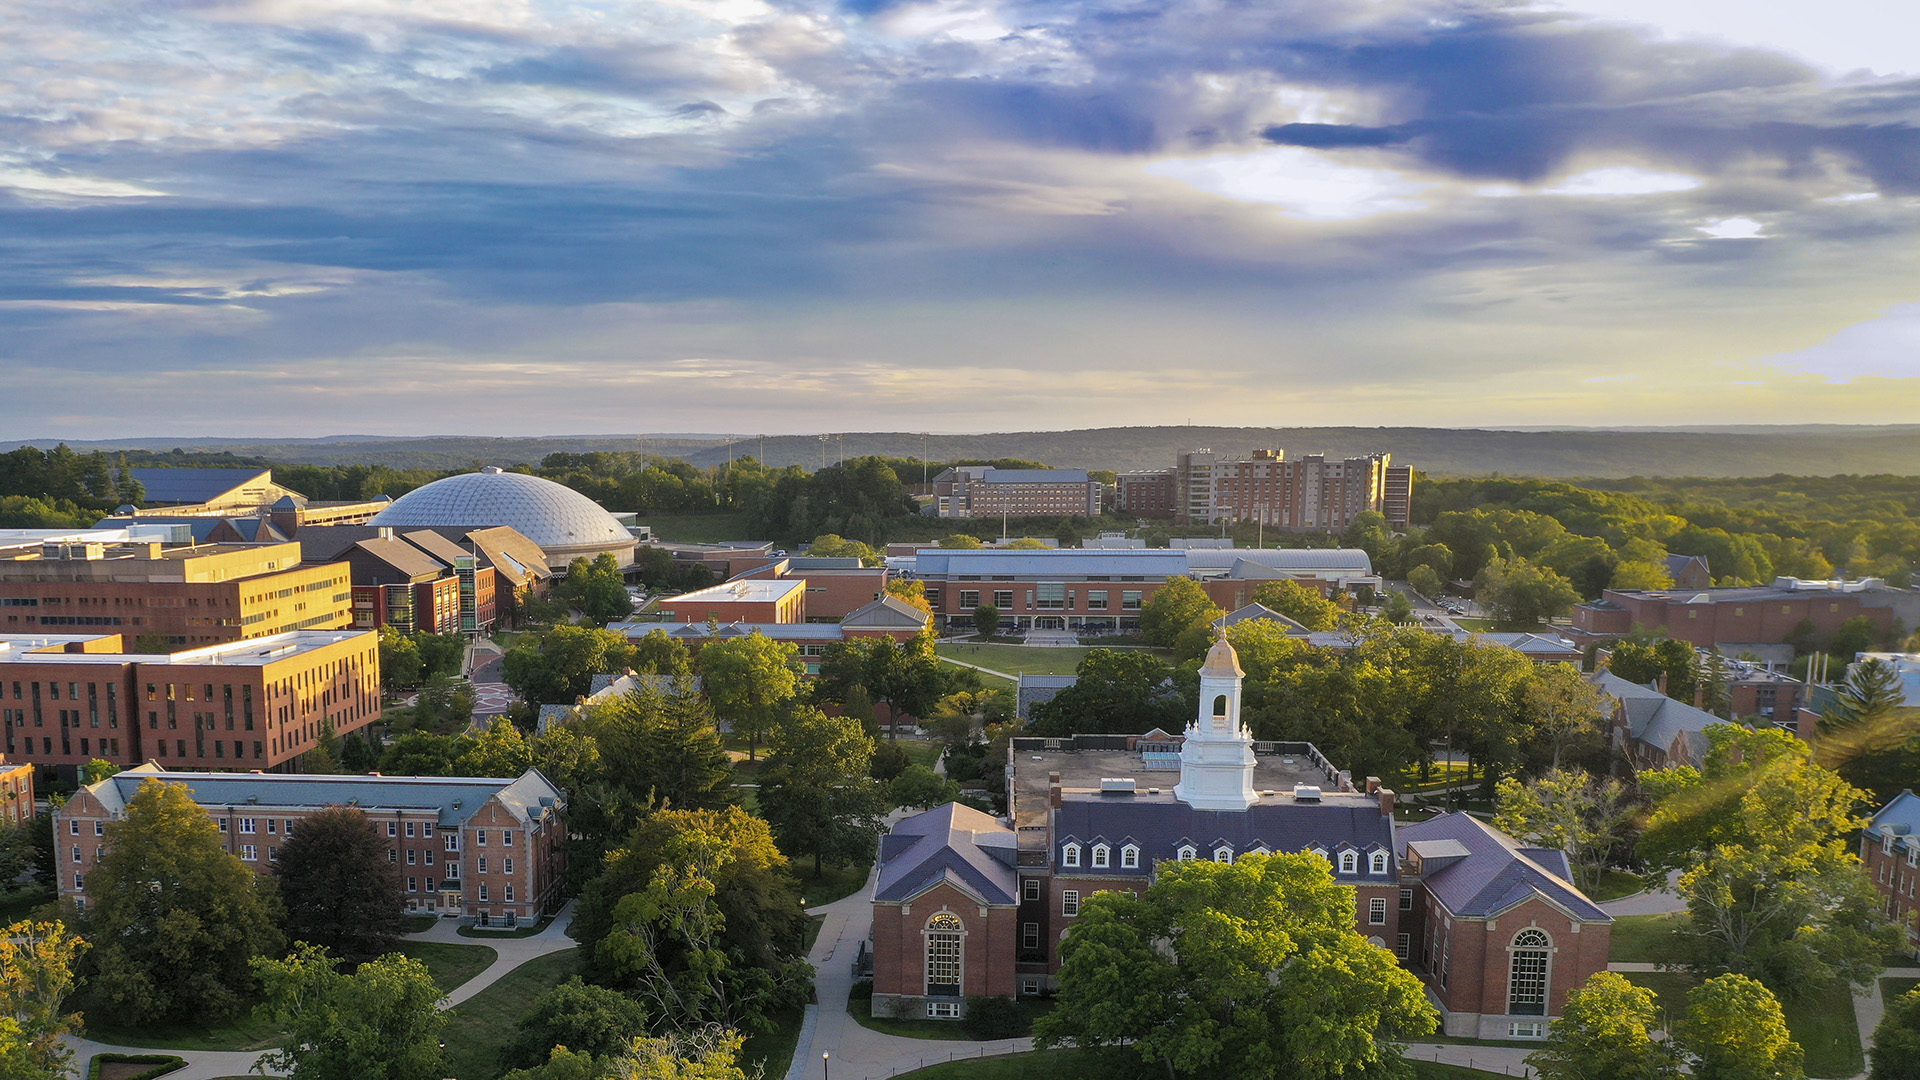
<point x="1054" y="778"/>
<point x="1386" y="801"/>
<point x="1373" y="784"/>
<point x="1053" y="795"/>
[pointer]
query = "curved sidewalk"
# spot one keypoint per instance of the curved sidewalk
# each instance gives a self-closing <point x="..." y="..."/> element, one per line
<point x="511" y="953"/>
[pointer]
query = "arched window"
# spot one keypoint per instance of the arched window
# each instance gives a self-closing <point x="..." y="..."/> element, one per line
<point x="1527" y="987"/>
<point x="1377" y="863"/>
<point x="1130" y="857"/>
<point x="1349" y="862"/>
<point x="944" y="934"/>
<point x="1070" y="855"/>
<point x="1318" y="850"/>
<point x="1259" y="849"/>
<point x="1220" y="705"/>
<point x="1100" y="855"/>
<point x="1223" y="853"/>
<point x="1187" y="852"/>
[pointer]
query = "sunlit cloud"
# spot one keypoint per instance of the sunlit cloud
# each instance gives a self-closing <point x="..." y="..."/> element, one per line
<point x="1619" y="181"/>
<point x="1733" y="228"/>
<point x="1303" y="184"/>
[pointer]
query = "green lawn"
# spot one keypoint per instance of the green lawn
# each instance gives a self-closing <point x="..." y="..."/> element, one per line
<point x="773" y="1050"/>
<point x="1439" y="774"/>
<point x="1615" y="884"/>
<point x="482" y="1025"/>
<point x="1893" y="988"/>
<point x="1822" y="1024"/>
<point x="833" y="883"/>
<point x="923" y="751"/>
<point x="240" y="1032"/>
<point x="1645" y="939"/>
<point x="522" y="932"/>
<point x="449" y="964"/>
<point x="987" y="681"/>
<point x="418" y="924"/>
<point x="1016" y="659"/>
<point x="697" y="528"/>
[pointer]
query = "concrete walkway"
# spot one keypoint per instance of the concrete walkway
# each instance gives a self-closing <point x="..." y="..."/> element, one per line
<point x="513" y="952"/>
<point x="1661" y="901"/>
<point x="1870" y="1007"/>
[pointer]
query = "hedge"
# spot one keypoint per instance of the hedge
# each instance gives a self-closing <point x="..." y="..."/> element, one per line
<point x="162" y="1064"/>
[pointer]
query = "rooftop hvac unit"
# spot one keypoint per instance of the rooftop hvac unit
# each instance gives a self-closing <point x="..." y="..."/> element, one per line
<point x="1306" y="793"/>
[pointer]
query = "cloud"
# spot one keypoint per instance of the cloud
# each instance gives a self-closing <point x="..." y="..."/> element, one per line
<point x="1733" y="228"/>
<point x="1301" y="183"/>
<point x="1886" y="347"/>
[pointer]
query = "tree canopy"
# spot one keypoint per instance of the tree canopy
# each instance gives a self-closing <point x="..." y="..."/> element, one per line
<point x="382" y="1022"/>
<point x="339" y="890"/>
<point x="557" y="667"/>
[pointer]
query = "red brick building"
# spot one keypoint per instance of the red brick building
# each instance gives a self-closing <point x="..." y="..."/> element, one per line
<point x="257" y="704"/>
<point x="1146" y="494"/>
<point x="16" y="791"/>
<point x="835" y="587"/>
<point x="1890" y="857"/>
<point x="888" y="617"/>
<point x="1100" y="812"/>
<point x="966" y="491"/>
<point x="1310" y="493"/>
<point x="1761" y="614"/>
<point x="487" y="849"/>
<point x="743" y="600"/>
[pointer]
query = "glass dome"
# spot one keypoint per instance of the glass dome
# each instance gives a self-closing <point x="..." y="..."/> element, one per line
<point x="559" y="519"/>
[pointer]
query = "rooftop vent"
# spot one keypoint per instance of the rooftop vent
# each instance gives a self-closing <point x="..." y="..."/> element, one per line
<point x="1116" y="785"/>
<point x="1306" y="793"/>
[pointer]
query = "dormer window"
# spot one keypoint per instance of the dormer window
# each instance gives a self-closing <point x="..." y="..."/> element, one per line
<point x="1130" y="857"/>
<point x="1886" y="841"/>
<point x="1349" y="862"/>
<point x="1187" y="853"/>
<point x="1318" y="850"/>
<point x="1100" y="855"/>
<point x="1223" y="853"/>
<point x="1377" y="863"/>
<point x="1070" y="855"/>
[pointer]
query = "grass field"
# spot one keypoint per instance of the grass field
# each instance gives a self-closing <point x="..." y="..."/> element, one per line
<point x="1016" y="659"/>
<point x="1823" y="1024"/>
<point x="449" y="964"/>
<point x="1644" y="939"/>
<point x="1615" y="884"/>
<point x="482" y="1025"/>
<point x="18" y="904"/>
<point x="1893" y="988"/>
<point x="923" y="751"/>
<point x="773" y="1050"/>
<point x="418" y="924"/>
<point x="987" y="682"/>
<point x="833" y="883"/>
<point x="697" y="528"/>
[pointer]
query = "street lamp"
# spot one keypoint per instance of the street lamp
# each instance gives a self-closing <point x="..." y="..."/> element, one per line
<point x="824" y="1075"/>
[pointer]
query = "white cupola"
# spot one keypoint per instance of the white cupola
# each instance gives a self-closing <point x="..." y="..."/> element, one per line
<point x="1216" y="760"/>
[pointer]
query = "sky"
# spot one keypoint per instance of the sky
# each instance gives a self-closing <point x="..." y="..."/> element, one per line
<point x="514" y="217"/>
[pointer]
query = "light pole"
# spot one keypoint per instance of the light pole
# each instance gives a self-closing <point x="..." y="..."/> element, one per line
<point x="824" y="1074"/>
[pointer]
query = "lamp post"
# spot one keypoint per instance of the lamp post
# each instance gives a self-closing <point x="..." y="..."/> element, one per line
<point x="824" y="1074"/>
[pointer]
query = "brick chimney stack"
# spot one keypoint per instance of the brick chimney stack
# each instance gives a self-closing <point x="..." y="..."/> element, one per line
<point x="1053" y="795"/>
<point x="1386" y="796"/>
<point x="1373" y="784"/>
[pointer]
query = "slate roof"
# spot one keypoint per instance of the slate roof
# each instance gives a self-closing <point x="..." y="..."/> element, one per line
<point x="1160" y="824"/>
<point x="528" y="797"/>
<point x="1069" y="562"/>
<point x="192" y="485"/>
<point x="1658" y="720"/>
<point x="435" y="545"/>
<point x="1496" y="872"/>
<point x="1678" y="563"/>
<point x="1299" y="560"/>
<point x="887" y="612"/>
<point x="951" y="843"/>
<point x="405" y="559"/>
<point x="1901" y="816"/>
<point x="1033" y="476"/>
<point x="1262" y="613"/>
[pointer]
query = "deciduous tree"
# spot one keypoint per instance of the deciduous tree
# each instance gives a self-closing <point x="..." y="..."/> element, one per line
<point x="816" y="790"/>
<point x="1568" y="811"/>
<point x="1122" y="691"/>
<point x="1896" y="1041"/>
<point x="339" y="889"/>
<point x="587" y="1019"/>
<point x="174" y="918"/>
<point x="750" y="680"/>
<point x="1249" y="969"/>
<point x="380" y="1023"/>
<point x="1299" y="603"/>
<point x="1734" y="1030"/>
<point x="1566" y="711"/>
<point x="1605" y="1032"/>
<point x="919" y="786"/>
<point x="37" y="961"/>
<point x="1176" y="607"/>
<point x="557" y="667"/>
<point x="986" y="620"/>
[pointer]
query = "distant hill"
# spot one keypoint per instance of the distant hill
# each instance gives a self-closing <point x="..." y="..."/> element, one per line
<point x="1800" y="450"/>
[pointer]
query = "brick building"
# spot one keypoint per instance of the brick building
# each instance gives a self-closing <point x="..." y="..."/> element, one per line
<point x="966" y="491"/>
<point x="888" y="617"/>
<point x="836" y="587"/>
<point x="1761" y="614"/>
<point x="16" y="791"/>
<point x="1147" y="494"/>
<point x="965" y="904"/>
<point x="1890" y="857"/>
<point x="258" y="704"/>
<point x="195" y="595"/>
<point x="1103" y="590"/>
<point x="412" y="579"/>
<point x="1310" y="493"/>
<point x="483" y="848"/>
<point x="747" y="600"/>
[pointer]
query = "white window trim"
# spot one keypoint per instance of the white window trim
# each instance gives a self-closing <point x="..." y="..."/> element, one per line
<point x="1187" y="853"/>
<point x="1377" y="862"/>
<point x="1349" y="862"/>
<point x="1070" y="855"/>
<point x="1130" y="857"/>
<point x="1223" y="853"/>
<point x="1070" y="903"/>
<point x="1102" y="857"/>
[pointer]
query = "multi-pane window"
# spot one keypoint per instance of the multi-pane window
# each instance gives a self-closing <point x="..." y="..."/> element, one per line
<point x="969" y="599"/>
<point x="1070" y="902"/>
<point x="1406" y="899"/>
<point x="246" y="825"/>
<point x="1003" y="599"/>
<point x="1403" y="945"/>
<point x="1070" y="855"/>
<point x="1050" y="596"/>
<point x="249" y="853"/>
<point x="1096" y="599"/>
<point x="483" y="864"/>
<point x="1031" y="888"/>
<point x="409" y="829"/>
<point x="1130" y="857"/>
<point x="1377" y="911"/>
<point x="1349" y="862"/>
<point x="1377" y="863"/>
<point x="943" y="954"/>
<point x="1030" y="935"/>
<point x="506" y="866"/>
<point x="1100" y="855"/>
<point x="1130" y="600"/>
<point x="509" y="895"/>
<point x="1527" y="988"/>
<point x="480" y="837"/>
<point x="1186" y="853"/>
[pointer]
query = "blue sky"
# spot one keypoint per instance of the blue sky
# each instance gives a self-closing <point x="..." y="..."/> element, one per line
<point x="300" y="217"/>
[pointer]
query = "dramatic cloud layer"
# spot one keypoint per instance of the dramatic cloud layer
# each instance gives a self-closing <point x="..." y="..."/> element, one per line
<point x="305" y="216"/>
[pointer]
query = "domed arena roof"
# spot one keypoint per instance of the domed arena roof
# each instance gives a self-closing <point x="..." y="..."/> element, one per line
<point x="562" y="521"/>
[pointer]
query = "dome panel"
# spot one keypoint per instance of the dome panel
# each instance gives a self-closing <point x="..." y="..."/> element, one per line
<point x="562" y="521"/>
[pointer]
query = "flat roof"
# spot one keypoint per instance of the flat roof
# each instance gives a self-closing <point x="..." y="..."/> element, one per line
<point x="252" y="652"/>
<point x="743" y="591"/>
<point x="1082" y="770"/>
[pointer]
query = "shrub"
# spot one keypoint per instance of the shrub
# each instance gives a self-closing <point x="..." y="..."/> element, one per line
<point x="990" y="1018"/>
<point x="162" y="1064"/>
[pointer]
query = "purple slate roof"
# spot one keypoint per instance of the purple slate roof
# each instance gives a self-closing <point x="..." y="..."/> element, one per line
<point x="1160" y="824"/>
<point x="1497" y="872"/>
<point x="952" y="843"/>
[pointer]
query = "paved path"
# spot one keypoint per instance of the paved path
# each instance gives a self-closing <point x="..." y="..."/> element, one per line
<point x="206" y="1064"/>
<point x="1648" y="902"/>
<point x="987" y="670"/>
<point x="1510" y="1060"/>
<point x="1869" y="1006"/>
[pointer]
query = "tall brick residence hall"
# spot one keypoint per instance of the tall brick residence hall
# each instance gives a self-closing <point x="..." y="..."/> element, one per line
<point x="966" y="904"/>
<point x="489" y="850"/>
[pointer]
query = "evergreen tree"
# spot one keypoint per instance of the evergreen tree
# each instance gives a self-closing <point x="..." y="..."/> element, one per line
<point x="339" y="889"/>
